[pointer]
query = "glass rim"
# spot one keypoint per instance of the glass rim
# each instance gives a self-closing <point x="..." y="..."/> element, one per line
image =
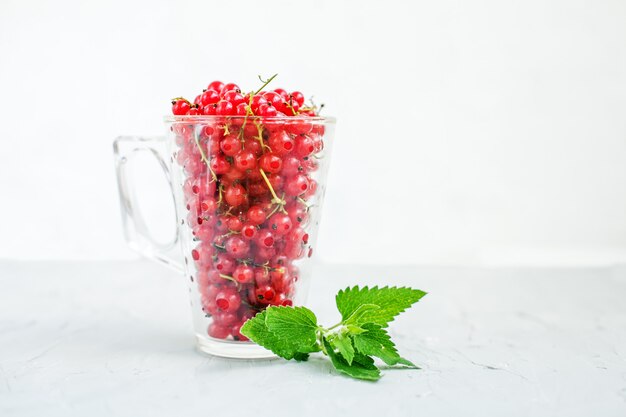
<point x="208" y="118"/>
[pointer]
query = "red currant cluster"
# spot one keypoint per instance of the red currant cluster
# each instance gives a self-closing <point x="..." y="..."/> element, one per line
<point x="248" y="178"/>
<point x="220" y="99"/>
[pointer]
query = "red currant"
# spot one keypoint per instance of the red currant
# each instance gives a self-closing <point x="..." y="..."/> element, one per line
<point x="298" y="97"/>
<point x="280" y="223"/>
<point x="219" y="164"/>
<point x="228" y="299"/>
<point x="217" y="331"/>
<point x="216" y="86"/>
<point x="265" y="294"/>
<point x="245" y="160"/>
<point x="267" y="110"/>
<point x="230" y="87"/>
<point x="235" y="195"/>
<point x="248" y="231"/>
<point x="297" y="185"/>
<point x="256" y="215"/>
<point x="270" y="163"/>
<point x="243" y="274"/>
<point x="224" y="264"/>
<point x="180" y="107"/>
<point x="281" y="143"/>
<point x="237" y="247"/>
<point x="236" y="98"/>
<point x="230" y="145"/>
<point x="304" y="146"/>
<point x="265" y="238"/>
<point x="209" y="97"/>
<point x="225" y="108"/>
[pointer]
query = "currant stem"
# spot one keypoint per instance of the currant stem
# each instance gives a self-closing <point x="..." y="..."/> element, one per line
<point x="228" y="277"/>
<point x="266" y="83"/>
<point x="204" y="158"/>
<point x="267" y="181"/>
<point x="334" y="327"/>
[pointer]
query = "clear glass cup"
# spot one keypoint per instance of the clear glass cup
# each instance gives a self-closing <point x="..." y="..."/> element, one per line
<point x="248" y="193"/>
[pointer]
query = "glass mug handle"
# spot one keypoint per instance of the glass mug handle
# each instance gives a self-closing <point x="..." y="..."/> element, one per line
<point x="135" y="230"/>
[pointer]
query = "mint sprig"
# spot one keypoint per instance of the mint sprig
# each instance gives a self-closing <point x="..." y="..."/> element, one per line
<point x="351" y="344"/>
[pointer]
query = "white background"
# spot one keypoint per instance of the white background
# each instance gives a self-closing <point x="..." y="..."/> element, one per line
<point x="483" y="132"/>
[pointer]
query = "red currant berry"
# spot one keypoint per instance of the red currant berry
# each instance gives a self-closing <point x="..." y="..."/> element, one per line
<point x="257" y="188"/>
<point x="235" y="331"/>
<point x="283" y="93"/>
<point x="257" y="101"/>
<point x="312" y="189"/>
<point x="273" y="99"/>
<point x="265" y="238"/>
<point x="234" y="97"/>
<point x="299" y="128"/>
<point x="248" y="231"/>
<point x="218" y="332"/>
<point x="253" y="146"/>
<point x="225" y="319"/>
<point x="297" y="185"/>
<point x="237" y="247"/>
<point x="291" y="165"/>
<point x="267" y="110"/>
<point x="230" y="87"/>
<point x="241" y="109"/>
<point x="230" y="145"/>
<point x="216" y="86"/>
<point x="202" y="254"/>
<point x="228" y="300"/>
<point x="245" y="160"/>
<point x="261" y="276"/>
<point x="280" y="223"/>
<point x="225" y="108"/>
<point x="210" y="109"/>
<point x="264" y="254"/>
<point x="276" y="181"/>
<point x="290" y="108"/>
<point x="209" y="97"/>
<point x="224" y="264"/>
<point x="219" y="165"/>
<point x="298" y="97"/>
<point x="243" y="274"/>
<point x="281" y="143"/>
<point x="235" y="195"/>
<point x="298" y="213"/>
<point x="270" y="163"/>
<point x="233" y="174"/>
<point x="304" y="146"/>
<point x="208" y="205"/>
<point x="265" y="294"/>
<point x="234" y="223"/>
<point x="256" y="215"/>
<point x="180" y="107"/>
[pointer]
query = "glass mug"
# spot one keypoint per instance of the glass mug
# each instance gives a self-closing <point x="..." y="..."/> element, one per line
<point x="247" y="194"/>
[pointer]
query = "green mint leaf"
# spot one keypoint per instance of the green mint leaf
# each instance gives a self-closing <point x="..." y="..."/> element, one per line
<point x="390" y="300"/>
<point x="375" y="341"/>
<point x="297" y="325"/>
<point x="343" y="343"/>
<point x="361" y="314"/>
<point x="362" y="366"/>
<point x="353" y="329"/>
<point x="257" y="331"/>
<point x="301" y="357"/>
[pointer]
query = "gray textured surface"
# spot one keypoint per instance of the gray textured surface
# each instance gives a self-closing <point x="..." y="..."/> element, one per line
<point x="115" y="338"/>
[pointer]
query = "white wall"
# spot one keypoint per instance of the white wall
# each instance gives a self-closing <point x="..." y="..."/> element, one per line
<point x="484" y="132"/>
